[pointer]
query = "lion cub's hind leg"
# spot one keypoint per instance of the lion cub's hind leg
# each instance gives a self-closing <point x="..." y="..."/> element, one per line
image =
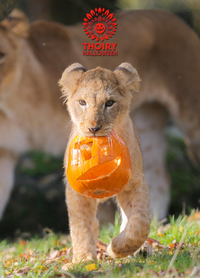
<point x="83" y="225"/>
<point x="135" y="206"/>
<point x="7" y="166"/>
<point x="151" y="120"/>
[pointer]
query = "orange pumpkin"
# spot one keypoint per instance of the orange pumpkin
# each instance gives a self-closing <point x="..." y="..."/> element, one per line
<point x="98" y="167"/>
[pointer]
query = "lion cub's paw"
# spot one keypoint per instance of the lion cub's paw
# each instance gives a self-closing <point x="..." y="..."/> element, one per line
<point x="88" y="257"/>
<point x="110" y="251"/>
<point x="113" y="254"/>
<point x="67" y="266"/>
<point x="144" y="250"/>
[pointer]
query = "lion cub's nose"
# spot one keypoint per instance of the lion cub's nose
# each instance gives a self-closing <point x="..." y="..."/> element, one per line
<point x="94" y="129"/>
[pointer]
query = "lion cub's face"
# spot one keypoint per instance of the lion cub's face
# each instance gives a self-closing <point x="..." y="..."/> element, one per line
<point x="96" y="99"/>
<point x="98" y="103"/>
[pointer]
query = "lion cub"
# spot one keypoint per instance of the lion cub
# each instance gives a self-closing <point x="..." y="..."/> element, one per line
<point x="98" y="102"/>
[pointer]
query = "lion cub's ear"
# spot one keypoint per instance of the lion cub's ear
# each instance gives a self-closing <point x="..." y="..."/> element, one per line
<point x="17" y="22"/>
<point x="127" y="77"/>
<point x="69" y="79"/>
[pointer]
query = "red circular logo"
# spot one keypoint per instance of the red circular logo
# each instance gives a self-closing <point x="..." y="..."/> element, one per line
<point x="99" y="24"/>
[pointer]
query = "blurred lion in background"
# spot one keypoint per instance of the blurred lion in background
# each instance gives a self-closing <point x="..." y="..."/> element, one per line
<point x="166" y="53"/>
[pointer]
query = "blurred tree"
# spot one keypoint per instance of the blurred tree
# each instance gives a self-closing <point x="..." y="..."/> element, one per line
<point x="72" y="11"/>
<point x="6" y="6"/>
<point x="64" y="11"/>
<point x="188" y="10"/>
<point x="38" y="9"/>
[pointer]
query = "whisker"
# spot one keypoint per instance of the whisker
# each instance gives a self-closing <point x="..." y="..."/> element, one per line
<point x="110" y="91"/>
<point x="65" y="98"/>
<point x="62" y="96"/>
<point x="115" y="88"/>
<point x="69" y="123"/>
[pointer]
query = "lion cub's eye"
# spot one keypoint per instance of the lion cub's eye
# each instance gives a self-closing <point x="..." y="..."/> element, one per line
<point x="82" y="102"/>
<point x="109" y="103"/>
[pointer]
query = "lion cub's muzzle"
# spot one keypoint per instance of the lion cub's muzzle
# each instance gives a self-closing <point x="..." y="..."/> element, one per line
<point x="94" y="129"/>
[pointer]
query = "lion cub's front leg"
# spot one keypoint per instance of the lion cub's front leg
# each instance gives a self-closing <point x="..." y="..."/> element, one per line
<point x="83" y="225"/>
<point x="135" y="206"/>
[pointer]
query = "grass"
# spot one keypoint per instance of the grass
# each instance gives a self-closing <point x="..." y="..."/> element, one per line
<point x="45" y="257"/>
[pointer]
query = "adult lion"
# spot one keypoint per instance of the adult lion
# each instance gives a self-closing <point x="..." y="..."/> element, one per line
<point x="166" y="53"/>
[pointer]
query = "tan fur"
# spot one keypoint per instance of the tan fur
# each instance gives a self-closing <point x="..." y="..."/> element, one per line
<point x="96" y="87"/>
<point x="166" y="53"/>
<point x="17" y="22"/>
<point x="32" y="115"/>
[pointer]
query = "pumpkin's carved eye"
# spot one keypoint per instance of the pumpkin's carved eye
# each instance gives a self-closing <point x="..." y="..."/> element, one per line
<point x="82" y="102"/>
<point x="109" y="103"/>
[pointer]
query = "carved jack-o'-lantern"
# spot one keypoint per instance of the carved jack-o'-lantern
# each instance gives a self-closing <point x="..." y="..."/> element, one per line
<point x="98" y="166"/>
<point x="100" y="28"/>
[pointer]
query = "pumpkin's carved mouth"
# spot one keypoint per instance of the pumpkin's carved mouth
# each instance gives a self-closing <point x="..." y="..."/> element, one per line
<point x="102" y="171"/>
